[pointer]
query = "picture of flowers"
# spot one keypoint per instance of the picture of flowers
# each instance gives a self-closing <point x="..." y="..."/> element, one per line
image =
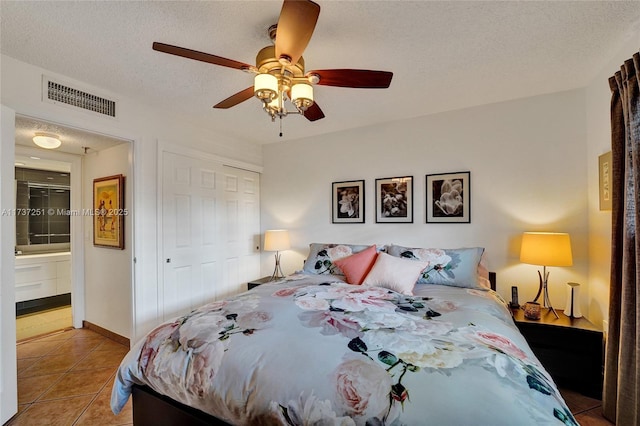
<point x="394" y="200"/>
<point x="108" y="212"/>
<point x="447" y="198"/>
<point x="348" y="202"/>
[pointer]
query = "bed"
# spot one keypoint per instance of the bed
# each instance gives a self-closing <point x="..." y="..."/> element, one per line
<point x="317" y="349"/>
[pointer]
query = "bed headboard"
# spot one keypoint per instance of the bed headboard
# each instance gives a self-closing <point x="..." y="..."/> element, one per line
<point x="492" y="280"/>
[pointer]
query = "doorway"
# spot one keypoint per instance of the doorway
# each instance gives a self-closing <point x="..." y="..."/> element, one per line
<point x="61" y="269"/>
<point x="43" y="246"/>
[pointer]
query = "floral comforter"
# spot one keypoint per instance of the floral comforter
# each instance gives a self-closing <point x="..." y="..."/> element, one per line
<point x="319" y="351"/>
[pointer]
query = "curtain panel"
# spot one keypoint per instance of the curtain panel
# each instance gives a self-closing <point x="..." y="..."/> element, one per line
<point x="621" y="391"/>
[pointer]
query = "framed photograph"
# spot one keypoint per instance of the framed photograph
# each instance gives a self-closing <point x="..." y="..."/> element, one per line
<point x="448" y="198"/>
<point x="108" y="212"/>
<point x="394" y="200"/>
<point x="604" y="167"/>
<point x="347" y="202"/>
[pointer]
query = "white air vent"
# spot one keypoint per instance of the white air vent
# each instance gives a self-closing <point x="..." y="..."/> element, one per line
<point x="58" y="92"/>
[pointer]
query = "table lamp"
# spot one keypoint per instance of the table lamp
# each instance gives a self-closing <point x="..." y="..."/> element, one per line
<point x="546" y="249"/>
<point x="276" y="240"/>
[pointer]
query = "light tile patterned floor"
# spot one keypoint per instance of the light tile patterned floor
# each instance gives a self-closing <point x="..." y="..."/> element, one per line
<point x="65" y="379"/>
<point x="44" y="322"/>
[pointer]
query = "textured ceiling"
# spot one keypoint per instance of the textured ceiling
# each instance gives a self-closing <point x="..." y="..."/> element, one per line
<point x="444" y="55"/>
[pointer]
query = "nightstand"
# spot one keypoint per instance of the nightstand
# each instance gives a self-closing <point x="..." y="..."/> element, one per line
<point x="256" y="283"/>
<point x="570" y="349"/>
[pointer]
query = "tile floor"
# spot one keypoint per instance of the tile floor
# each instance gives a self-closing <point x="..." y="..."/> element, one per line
<point x="43" y="322"/>
<point x="587" y="411"/>
<point x="65" y="379"/>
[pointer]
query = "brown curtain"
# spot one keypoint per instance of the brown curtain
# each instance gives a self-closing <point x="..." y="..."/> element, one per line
<point x="621" y="393"/>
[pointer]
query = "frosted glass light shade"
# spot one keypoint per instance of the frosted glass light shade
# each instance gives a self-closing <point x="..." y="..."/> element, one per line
<point x="302" y="95"/>
<point x="46" y="141"/>
<point x="276" y="240"/>
<point x="265" y="87"/>
<point x="546" y="249"/>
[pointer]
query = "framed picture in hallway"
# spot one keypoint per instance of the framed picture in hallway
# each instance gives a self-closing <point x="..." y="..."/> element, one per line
<point x="347" y="202"/>
<point x="108" y="212"/>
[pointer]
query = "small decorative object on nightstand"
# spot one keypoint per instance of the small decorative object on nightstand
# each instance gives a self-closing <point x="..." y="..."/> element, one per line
<point x="570" y="349"/>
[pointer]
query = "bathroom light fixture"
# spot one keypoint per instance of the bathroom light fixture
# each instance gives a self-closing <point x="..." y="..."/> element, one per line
<point x="46" y="140"/>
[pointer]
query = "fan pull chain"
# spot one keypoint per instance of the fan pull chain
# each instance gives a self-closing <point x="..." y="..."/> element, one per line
<point x="280" y="126"/>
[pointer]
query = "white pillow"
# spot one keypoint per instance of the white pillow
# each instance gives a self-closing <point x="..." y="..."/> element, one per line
<point x="395" y="273"/>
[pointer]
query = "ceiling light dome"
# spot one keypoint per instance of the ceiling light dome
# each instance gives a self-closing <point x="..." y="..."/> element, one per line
<point x="46" y="140"/>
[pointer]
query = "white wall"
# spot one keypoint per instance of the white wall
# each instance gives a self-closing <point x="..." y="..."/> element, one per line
<point x="527" y="161"/>
<point x="8" y="366"/>
<point x="107" y="271"/>
<point x="144" y="125"/>
<point x="598" y="98"/>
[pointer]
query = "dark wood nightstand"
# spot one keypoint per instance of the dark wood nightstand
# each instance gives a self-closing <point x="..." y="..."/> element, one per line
<point x="256" y="283"/>
<point x="570" y="349"/>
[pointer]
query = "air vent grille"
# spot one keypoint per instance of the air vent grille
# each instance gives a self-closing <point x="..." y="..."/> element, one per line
<point x="60" y="93"/>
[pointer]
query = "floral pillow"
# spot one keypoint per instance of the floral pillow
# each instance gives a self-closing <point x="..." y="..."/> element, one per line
<point x="453" y="267"/>
<point x="322" y="257"/>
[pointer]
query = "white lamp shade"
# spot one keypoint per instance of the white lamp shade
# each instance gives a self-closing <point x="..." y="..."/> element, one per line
<point x="276" y="240"/>
<point x="546" y="249"/>
<point x="46" y="141"/>
<point x="265" y="86"/>
<point x="302" y="94"/>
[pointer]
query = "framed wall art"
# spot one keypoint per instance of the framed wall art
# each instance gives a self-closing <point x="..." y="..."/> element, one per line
<point x="108" y="212"/>
<point x="347" y="202"/>
<point x="448" y="198"/>
<point x="604" y="172"/>
<point x="394" y="200"/>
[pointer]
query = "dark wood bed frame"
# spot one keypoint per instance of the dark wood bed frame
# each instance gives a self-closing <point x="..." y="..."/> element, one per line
<point x="153" y="409"/>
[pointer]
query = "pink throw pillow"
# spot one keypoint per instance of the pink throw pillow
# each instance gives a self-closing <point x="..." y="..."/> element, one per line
<point x="357" y="266"/>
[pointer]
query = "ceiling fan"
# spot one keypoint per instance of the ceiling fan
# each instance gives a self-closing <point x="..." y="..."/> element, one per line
<point x="279" y="71"/>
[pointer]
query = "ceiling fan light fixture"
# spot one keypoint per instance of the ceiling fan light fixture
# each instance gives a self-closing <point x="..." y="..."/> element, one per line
<point x="47" y="141"/>
<point x="265" y="87"/>
<point x="302" y="95"/>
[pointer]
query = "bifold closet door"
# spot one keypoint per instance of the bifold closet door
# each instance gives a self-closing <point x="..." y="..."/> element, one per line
<point x="210" y="221"/>
<point x="242" y="244"/>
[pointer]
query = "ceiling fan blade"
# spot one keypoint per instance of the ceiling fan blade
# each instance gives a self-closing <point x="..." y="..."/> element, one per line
<point x="314" y="112"/>
<point x="295" y="26"/>
<point x="199" y="56"/>
<point x="360" y="79"/>
<point x="234" y="100"/>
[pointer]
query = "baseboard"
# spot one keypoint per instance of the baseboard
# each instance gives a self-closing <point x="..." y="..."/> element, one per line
<point x="107" y="333"/>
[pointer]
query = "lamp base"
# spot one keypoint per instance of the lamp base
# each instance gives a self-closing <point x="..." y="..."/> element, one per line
<point x="277" y="271"/>
<point x="546" y="303"/>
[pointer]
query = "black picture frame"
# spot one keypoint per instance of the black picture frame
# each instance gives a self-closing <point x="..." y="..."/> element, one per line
<point x="394" y="200"/>
<point x="347" y="201"/>
<point x="448" y="197"/>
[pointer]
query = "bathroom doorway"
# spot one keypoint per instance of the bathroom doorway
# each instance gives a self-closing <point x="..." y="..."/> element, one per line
<point x="52" y="237"/>
<point x="43" y="246"/>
